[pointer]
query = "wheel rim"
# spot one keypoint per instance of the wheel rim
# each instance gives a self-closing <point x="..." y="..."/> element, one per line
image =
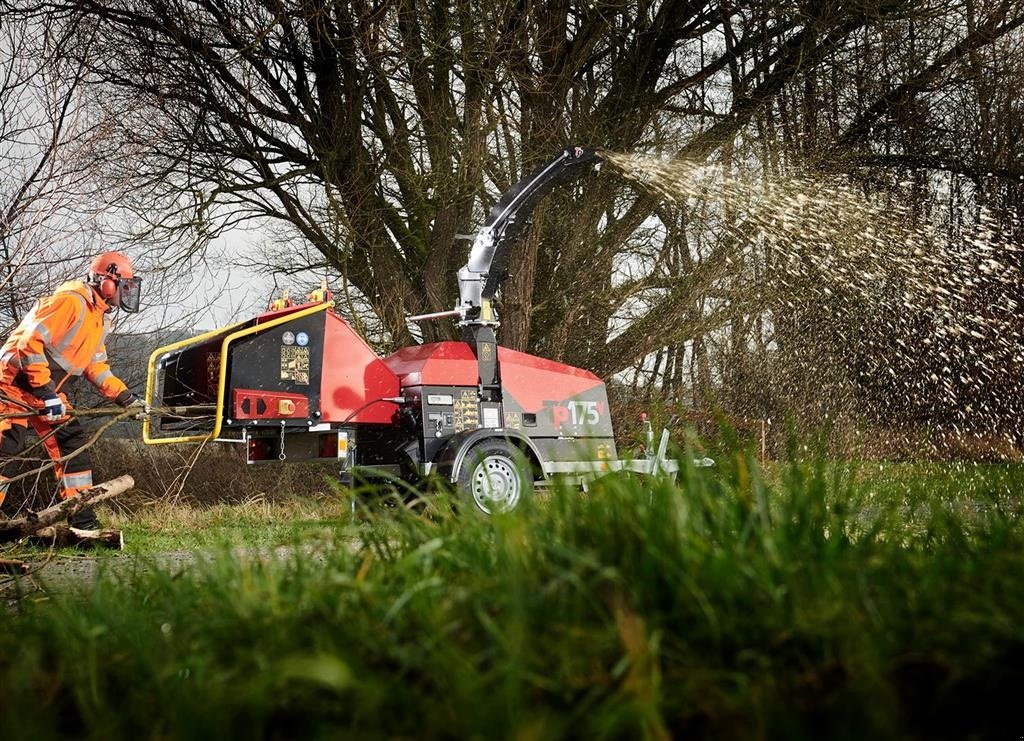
<point x="497" y="484"/>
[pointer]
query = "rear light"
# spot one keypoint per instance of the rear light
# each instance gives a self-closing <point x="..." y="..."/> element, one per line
<point x="334" y="445"/>
<point x="259" y="449"/>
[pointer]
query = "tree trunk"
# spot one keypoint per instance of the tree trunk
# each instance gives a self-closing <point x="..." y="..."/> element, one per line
<point x="63" y="536"/>
<point x="12" y="566"/>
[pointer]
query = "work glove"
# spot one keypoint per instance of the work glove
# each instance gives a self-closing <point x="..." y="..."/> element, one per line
<point x="128" y="400"/>
<point x="52" y="403"/>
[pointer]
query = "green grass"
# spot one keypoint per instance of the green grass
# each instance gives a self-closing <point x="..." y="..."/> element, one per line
<point x="258" y="523"/>
<point x="158" y="528"/>
<point x="819" y="600"/>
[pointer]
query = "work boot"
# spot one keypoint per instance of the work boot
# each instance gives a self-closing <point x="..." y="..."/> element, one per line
<point x="85" y="519"/>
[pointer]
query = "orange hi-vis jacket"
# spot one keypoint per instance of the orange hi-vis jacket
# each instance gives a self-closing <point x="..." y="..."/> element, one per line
<point x="63" y="335"/>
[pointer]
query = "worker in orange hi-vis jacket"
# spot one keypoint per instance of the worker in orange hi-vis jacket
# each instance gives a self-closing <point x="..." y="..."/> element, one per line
<point x="64" y="335"/>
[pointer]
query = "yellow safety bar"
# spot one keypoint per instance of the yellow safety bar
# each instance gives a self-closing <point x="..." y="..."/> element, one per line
<point x="222" y="377"/>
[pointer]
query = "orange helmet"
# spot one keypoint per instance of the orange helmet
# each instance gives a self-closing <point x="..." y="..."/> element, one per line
<point x="113" y="277"/>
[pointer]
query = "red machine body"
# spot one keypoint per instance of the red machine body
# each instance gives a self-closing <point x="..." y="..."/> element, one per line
<point x="528" y="378"/>
<point x="354" y="377"/>
<point x="530" y="385"/>
<point x="353" y="380"/>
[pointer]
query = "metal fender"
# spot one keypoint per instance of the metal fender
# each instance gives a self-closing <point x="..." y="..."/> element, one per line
<point x="450" y="459"/>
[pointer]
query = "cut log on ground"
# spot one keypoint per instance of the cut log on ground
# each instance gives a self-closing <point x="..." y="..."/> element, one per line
<point x="10" y="566"/>
<point x="62" y="536"/>
<point x="33" y="522"/>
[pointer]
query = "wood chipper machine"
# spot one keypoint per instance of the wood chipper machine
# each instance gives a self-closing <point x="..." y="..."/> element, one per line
<point x="298" y="383"/>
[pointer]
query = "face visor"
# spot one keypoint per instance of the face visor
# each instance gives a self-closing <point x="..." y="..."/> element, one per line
<point x="129" y="294"/>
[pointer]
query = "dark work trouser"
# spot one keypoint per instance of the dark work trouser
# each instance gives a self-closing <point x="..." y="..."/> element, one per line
<point x="59" y="440"/>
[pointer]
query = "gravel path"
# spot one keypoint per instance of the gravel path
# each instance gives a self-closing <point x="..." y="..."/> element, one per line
<point x="63" y="572"/>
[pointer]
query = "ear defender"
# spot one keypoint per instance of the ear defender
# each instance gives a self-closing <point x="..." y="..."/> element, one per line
<point x="108" y="289"/>
<point x="107" y="283"/>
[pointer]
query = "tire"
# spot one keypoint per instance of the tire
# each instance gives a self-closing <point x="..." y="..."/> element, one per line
<point x="495" y="477"/>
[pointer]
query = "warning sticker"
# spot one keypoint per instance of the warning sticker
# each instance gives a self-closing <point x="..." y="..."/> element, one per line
<point x="295" y="364"/>
<point x="212" y="372"/>
<point x="466" y="411"/>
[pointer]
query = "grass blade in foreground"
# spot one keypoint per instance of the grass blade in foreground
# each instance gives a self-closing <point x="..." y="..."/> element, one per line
<point x="816" y="602"/>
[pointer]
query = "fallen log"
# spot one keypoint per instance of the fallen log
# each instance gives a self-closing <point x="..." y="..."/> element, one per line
<point x="32" y="522"/>
<point x="11" y="566"/>
<point x="63" y="536"/>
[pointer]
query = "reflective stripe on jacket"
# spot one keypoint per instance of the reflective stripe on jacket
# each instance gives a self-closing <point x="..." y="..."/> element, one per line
<point x="65" y="331"/>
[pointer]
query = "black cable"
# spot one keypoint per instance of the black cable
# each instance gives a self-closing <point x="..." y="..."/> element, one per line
<point x="397" y="400"/>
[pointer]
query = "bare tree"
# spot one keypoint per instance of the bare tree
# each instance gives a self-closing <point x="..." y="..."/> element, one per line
<point x="46" y="168"/>
<point x="388" y="123"/>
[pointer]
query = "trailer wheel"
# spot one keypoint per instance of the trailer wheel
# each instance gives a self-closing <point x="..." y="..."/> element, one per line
<point x="495" y="477"/>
